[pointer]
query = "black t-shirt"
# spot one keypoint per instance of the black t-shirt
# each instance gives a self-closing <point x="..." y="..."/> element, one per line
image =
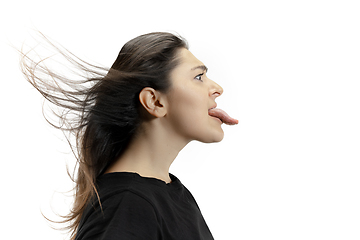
<point x="136" y="207"/>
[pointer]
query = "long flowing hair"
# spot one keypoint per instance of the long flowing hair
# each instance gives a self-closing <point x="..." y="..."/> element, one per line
<point x="100" y="109"/>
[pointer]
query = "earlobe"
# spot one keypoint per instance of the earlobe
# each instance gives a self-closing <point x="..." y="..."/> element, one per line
<point x="152" y="102"/>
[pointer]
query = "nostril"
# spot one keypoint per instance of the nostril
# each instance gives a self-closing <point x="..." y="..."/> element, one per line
<point x="216" y="94"/>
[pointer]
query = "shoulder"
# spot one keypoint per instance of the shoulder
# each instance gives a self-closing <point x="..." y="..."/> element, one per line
<point x="121" y="188"/>
<point x="129" y="205"/>
<point x="122" y="193"/>
<point x="131" y="201"/>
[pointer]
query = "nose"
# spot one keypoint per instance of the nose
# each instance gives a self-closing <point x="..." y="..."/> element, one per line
<point x="215" y="90"/>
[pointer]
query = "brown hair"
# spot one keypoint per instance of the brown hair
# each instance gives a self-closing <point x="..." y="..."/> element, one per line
<point x="102" y="110"/>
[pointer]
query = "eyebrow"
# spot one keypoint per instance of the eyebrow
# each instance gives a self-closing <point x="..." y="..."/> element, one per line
<point x="202" y="67"/>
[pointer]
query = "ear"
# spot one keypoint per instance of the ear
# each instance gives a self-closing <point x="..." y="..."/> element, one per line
<point x="153" y="102"/>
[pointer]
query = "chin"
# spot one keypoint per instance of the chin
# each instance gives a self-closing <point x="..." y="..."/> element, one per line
<point x="216" y="137"/>
<point x="219" y="139"/>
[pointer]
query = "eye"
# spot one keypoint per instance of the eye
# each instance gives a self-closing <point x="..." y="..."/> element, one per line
<point x="199" y="77"/>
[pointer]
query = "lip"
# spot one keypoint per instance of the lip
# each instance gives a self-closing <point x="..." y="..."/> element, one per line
<point x="213" y="106"/>
<point x="218" y="119"/>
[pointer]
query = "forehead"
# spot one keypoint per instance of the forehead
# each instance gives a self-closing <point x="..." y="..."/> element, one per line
<point x="187" y="60"/>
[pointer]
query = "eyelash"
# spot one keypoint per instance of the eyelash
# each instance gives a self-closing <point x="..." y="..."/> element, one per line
<point x="198" y="77"/>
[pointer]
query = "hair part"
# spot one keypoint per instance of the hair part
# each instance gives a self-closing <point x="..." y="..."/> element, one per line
<point x="102" y="111"/>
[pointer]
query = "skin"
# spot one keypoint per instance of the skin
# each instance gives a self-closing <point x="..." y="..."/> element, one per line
<point x="172" y="120"/>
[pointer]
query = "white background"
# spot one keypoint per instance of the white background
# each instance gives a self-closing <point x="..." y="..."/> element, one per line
<point x="290" y="71"/>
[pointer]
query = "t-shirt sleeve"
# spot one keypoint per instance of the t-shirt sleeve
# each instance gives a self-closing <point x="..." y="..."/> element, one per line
<point x="125" y="216"/>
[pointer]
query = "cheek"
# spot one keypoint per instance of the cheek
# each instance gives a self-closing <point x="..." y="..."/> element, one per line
<point x="189" y="117"/>
<point x="188" y="108"/>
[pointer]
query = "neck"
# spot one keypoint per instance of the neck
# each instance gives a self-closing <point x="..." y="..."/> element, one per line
<point x="150" y="153"/>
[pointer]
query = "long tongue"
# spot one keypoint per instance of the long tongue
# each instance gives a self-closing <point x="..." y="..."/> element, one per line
<point x="223" y="116"/>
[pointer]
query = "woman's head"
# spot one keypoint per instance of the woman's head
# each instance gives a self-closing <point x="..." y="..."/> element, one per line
<point x="145" y="61"/>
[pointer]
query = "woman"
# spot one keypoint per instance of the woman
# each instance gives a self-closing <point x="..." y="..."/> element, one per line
<point x="130" y="125"/>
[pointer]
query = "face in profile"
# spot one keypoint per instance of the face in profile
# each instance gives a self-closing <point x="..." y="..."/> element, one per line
<point x="190" y="98"/>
